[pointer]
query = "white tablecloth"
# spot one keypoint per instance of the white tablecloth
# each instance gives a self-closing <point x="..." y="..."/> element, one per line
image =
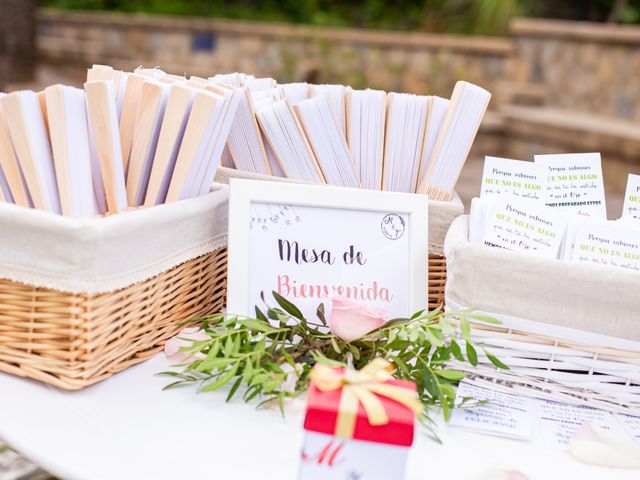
<point x="126" y="428"/>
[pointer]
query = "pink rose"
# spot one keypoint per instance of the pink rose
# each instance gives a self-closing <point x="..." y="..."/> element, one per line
<point x="173" y="347"/>
<point x="350" y="320"/>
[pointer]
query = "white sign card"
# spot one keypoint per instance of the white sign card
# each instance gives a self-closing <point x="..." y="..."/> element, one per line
<point x="544" y="422"/>
<point x="325" y="457"/>
<point x="631" y="208"/>
<point x="607" y="243"/>
<point x="503" y="176"/>
<point x="504" y="414"/>
<point x="525" y="226"/>
<point x="310" y="243"/>
<point x="574" y="183"/>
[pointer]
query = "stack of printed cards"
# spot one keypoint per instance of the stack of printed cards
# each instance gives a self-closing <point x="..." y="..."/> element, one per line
<point x="542" y="422"/>
<point x="631" y="208"/>
<point x="555" y="207"/>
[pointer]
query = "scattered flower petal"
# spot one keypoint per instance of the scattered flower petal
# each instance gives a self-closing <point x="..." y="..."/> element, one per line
<point x="499" y="474"/>
<point x="173" y="346"/>
<point x="599" y="447"/>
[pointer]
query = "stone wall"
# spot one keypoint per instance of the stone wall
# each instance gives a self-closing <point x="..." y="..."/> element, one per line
<point x="410" y="62"/>
<point x="581" y="66"/>
<point x="585" y="67"/>
<point x="17" y="40"/>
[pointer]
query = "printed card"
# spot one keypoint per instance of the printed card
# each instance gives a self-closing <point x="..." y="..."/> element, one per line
<point x="559" y="422"/>
<point x="503" y="176"/>
<point x="524" y="226"/>
<point x="607" y="243"/>
<point x="543" y="422"/>
<point x="574" y="183"/>
<point x="631" y="208"/>
<point x="631" y="425"/>
<point x="503" y="414"/>
<point x="574" y="225"/>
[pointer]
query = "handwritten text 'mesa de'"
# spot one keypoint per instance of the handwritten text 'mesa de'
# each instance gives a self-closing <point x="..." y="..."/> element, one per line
<point x="289" y="251"/>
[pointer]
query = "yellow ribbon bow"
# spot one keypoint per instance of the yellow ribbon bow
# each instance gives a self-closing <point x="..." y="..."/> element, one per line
<point x="362" y="387"/>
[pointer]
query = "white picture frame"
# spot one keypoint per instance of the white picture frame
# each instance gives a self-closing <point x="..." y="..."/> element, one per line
<point x="411" y="210"/>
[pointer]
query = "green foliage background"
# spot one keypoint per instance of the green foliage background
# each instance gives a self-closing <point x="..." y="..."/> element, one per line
<point x="453" y="16"/>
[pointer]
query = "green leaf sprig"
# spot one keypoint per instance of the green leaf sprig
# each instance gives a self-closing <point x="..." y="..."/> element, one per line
<point x="260" y="354"/>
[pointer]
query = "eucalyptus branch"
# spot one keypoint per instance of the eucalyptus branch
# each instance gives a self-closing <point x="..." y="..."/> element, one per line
<point x="271" y="355"/>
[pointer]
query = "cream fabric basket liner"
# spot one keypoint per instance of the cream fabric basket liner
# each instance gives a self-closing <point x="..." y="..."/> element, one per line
<point x="592" y="299"/>
<point x="441" y="214"/>
<point x="101" y="255"/>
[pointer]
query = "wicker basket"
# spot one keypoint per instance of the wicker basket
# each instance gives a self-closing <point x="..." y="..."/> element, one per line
<point x="437" y="280"/>
<point x="75" y="340"/>
<point x="82" y="299"/>
<point x="564" y="370"/>
<point x="579" y="346"/>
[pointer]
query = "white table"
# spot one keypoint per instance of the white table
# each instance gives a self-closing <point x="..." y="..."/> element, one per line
<point x="126" y="428"/>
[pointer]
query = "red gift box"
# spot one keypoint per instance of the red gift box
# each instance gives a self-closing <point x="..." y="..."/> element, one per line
<point x="323" y="409"/>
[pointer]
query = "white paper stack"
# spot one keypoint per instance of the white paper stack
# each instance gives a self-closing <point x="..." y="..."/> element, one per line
<point x="227" y="160"/>
<point x="231" y="79"/>
<point x="129" y="115"/>
<point x="29" y="137"/>
<point x="5" y="192"/>
<point x="153" y="102"/>
<point x="404" y="137"/>
<point x="119" y="79"/>
<point x="459" y="127"/>
<point x="231" y="99"/>
<point x="42" y="102"/>
<point x="326" y="139"/>
<point x="294" y="92"/>
<point x="274" y="164"/>
<point x="148" y="137"/>
<point x="103" y="123"/>
<point x="335" y="95"/>
<point x="10" y="167"/>
<point x="69" y="134"/>
<point x="284" y="133"/>
<point x="257" y="84"/>
<point x="268" y="94"/>
<point x="365" y="115"/>
<point x="154" y="73"/>
<point x="245" y="141"/>
<point x="202" y="144"/>
<point x="174" y="123"/>
<point x="437" y="110"/>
